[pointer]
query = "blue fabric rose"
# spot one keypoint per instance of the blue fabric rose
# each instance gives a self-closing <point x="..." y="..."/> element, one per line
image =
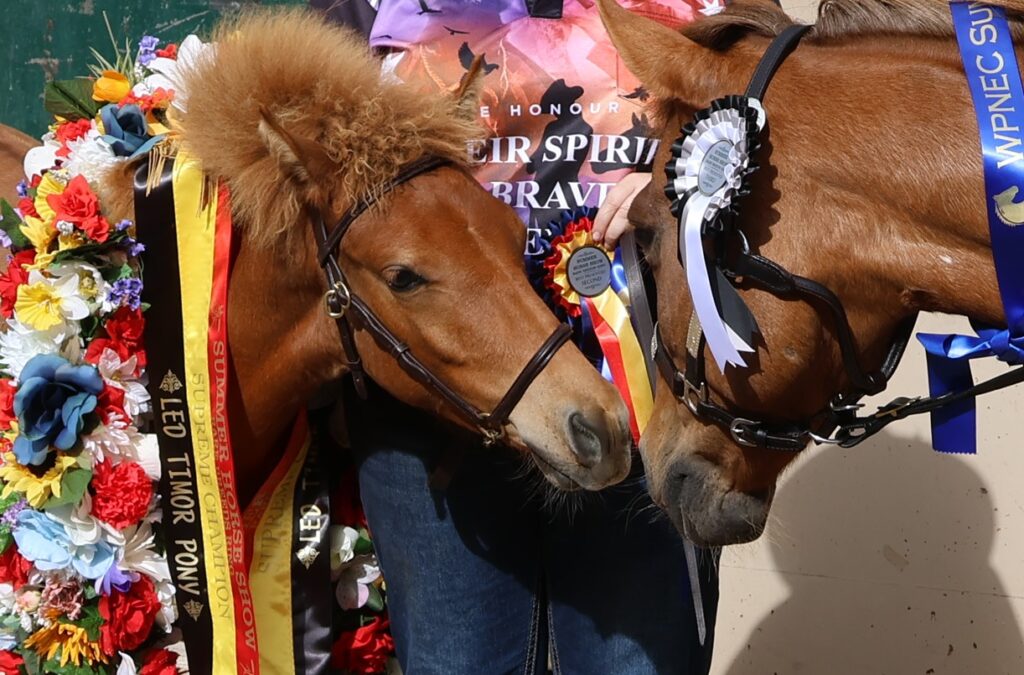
<point x="42" y="540"/>
<point x="126" y="131"/>
<point x="51" y="405"/>
<point x="45" y="542"/>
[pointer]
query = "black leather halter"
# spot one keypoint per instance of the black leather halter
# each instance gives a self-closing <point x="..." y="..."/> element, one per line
<point x="838" y="423"/>
<point x="343" y="304"/>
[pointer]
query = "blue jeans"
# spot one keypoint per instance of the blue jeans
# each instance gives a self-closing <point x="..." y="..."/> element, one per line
<point x="485" y="577"/>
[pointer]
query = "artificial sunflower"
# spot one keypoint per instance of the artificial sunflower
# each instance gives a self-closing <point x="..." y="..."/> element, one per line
<point x="72" y="642"/>
<point x="37" y="489"/>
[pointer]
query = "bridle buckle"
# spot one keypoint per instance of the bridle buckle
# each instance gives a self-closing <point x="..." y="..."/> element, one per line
<point x="738" y="428"/>
<point x="337" y="300"/>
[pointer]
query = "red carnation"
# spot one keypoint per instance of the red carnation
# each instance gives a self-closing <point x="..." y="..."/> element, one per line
<point x="7" y="391"/>
<point x="128" y="617"/>
<point x="122" y="494"/>
<point x="79" y="205"/>
<point x="71" y="131"/>
<point x="364" y="651"/>
<point x="160" y="662"/>
<point x="168" y="52"/>
<point x="27" y="207"/>
<point x="10" y="663"/>
<point x="14" y="568"/>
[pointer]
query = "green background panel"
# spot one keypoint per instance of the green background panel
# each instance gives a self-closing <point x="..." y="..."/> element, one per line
<point x="47" y="39"/>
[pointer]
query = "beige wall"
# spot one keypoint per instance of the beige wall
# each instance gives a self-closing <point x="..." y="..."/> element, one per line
<point x="887" y="558"/>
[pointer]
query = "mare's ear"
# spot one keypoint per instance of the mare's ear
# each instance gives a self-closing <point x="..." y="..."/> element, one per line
<point x="467" y="96"/>
<point x="667" y="63"/>
<point x="301" y="159"/>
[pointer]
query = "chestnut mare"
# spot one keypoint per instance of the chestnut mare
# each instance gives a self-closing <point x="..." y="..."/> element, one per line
<point x="858" y="190"/>
<point x="13" y="146"/>
<point x="293" y="114"/>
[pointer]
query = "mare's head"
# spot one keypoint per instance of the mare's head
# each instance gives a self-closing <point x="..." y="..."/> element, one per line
<point x="870" y="183"/>
<point x="294" y="115"/>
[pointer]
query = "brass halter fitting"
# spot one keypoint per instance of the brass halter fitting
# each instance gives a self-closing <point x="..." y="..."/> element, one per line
<point x="490" y="434"/>
<point x="337" y="300"/>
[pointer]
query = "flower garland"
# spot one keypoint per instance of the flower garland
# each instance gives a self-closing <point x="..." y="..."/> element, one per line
<point x="85" y="587"/>
<point x="84" y="584"/>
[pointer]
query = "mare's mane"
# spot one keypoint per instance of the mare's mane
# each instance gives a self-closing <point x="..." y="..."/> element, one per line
<point x="322" y="83"/>
<point x="839" y="19"/>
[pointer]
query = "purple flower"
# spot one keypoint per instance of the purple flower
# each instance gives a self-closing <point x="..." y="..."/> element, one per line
<point x="135" y="247"/>
<point x="123" y="225"/>
<point x="10" y="517"/>
<point x="116" y="578"/>
<point x="126" y="292"/>
<point x="5" y="239"/>
<point x="22" y="189"/>
<point x="147" y="49"/>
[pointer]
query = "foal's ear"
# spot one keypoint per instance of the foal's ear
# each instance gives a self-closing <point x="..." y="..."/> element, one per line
<point x="302" y="159"/>
<point x="667" y="63"/>
<point x="467" y="96"/>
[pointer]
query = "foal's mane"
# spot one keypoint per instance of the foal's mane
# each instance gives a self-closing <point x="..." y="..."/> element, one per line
<point x="320" y="82"/>
<point x="839" y="19"/>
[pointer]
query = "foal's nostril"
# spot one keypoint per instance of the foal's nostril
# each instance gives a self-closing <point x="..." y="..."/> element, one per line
<point x="588" y="443"/>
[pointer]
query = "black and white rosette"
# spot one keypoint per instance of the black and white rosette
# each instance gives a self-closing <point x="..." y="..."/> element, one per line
<point x="707" y="174"/>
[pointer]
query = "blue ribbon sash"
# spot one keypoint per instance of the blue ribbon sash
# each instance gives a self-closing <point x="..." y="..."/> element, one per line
<point x="990" y="64"/>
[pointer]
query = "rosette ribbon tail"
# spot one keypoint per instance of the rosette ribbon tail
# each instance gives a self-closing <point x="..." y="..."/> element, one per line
<point x="725" y="345"/>
<point x="623" y="355"/>
<point x="954" y="426"/>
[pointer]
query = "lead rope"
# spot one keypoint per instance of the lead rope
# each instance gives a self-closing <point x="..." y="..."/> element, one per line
<point x="641" y="313"/>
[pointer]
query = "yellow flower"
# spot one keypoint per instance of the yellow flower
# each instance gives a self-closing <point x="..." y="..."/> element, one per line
<point x="71" y="641"/>
<point x="37" y="489"/>
<point x="43" y="303"/>
<point x="112" y="86"/>
<point x="47" y="186"/>
<point x="39" y="232"/>
<point x="68" y="241"/>
<point x="38" y="306"/>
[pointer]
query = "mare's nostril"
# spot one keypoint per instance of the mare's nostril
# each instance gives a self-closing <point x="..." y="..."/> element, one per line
<point x="588" y="443"/>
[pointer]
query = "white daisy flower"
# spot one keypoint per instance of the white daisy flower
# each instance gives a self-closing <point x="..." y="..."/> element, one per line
<point x="91" y="157"/>
<point x="115" y="441"/>
<point x="169" y="74"/>
<point x="19" y="343"/>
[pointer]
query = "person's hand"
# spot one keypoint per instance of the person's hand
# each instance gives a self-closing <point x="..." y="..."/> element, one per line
<point x="612" y="221"/>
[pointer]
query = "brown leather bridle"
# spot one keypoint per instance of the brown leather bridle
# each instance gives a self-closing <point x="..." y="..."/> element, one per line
<point x="349" y="312"/>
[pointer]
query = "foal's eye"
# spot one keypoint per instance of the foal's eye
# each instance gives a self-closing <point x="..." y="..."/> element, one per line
<point x="402" y="279"/>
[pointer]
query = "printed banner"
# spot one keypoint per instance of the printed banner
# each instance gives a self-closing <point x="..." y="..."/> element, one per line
<point x="292" y="583"/>
<point x="191" y="217"/>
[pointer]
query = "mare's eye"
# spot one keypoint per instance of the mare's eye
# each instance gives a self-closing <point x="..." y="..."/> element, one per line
<point x="402" y="279"/>
<point x="644" y="236"/>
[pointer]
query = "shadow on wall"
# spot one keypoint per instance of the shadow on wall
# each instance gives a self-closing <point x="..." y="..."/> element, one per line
<point x="884" y="550"/>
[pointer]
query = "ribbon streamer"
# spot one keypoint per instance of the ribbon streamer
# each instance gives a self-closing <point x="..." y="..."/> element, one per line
<point x="998" y="97"/>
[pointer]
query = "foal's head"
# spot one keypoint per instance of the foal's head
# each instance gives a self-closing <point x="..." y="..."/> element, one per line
<point x="295" y="116"/>
<point x="870" y="183"/>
